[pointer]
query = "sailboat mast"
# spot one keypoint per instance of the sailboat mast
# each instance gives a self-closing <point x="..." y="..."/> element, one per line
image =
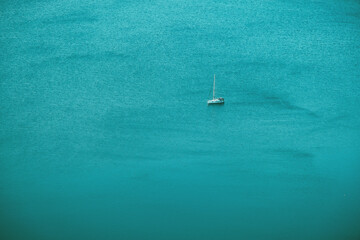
<point x="214" y="88"/>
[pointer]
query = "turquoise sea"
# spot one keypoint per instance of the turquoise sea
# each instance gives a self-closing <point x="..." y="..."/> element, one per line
<point x="105" y="132"/>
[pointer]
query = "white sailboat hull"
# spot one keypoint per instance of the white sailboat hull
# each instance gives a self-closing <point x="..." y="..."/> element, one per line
<point x="216" y="101"/>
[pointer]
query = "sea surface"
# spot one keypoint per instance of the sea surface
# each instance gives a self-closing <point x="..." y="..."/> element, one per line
<point x="105" y="132"/>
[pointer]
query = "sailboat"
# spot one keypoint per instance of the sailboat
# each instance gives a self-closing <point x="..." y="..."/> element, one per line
<point x="215" y="100"/>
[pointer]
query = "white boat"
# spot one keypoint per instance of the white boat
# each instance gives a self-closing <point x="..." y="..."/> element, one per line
<point x="215" y="100"/>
